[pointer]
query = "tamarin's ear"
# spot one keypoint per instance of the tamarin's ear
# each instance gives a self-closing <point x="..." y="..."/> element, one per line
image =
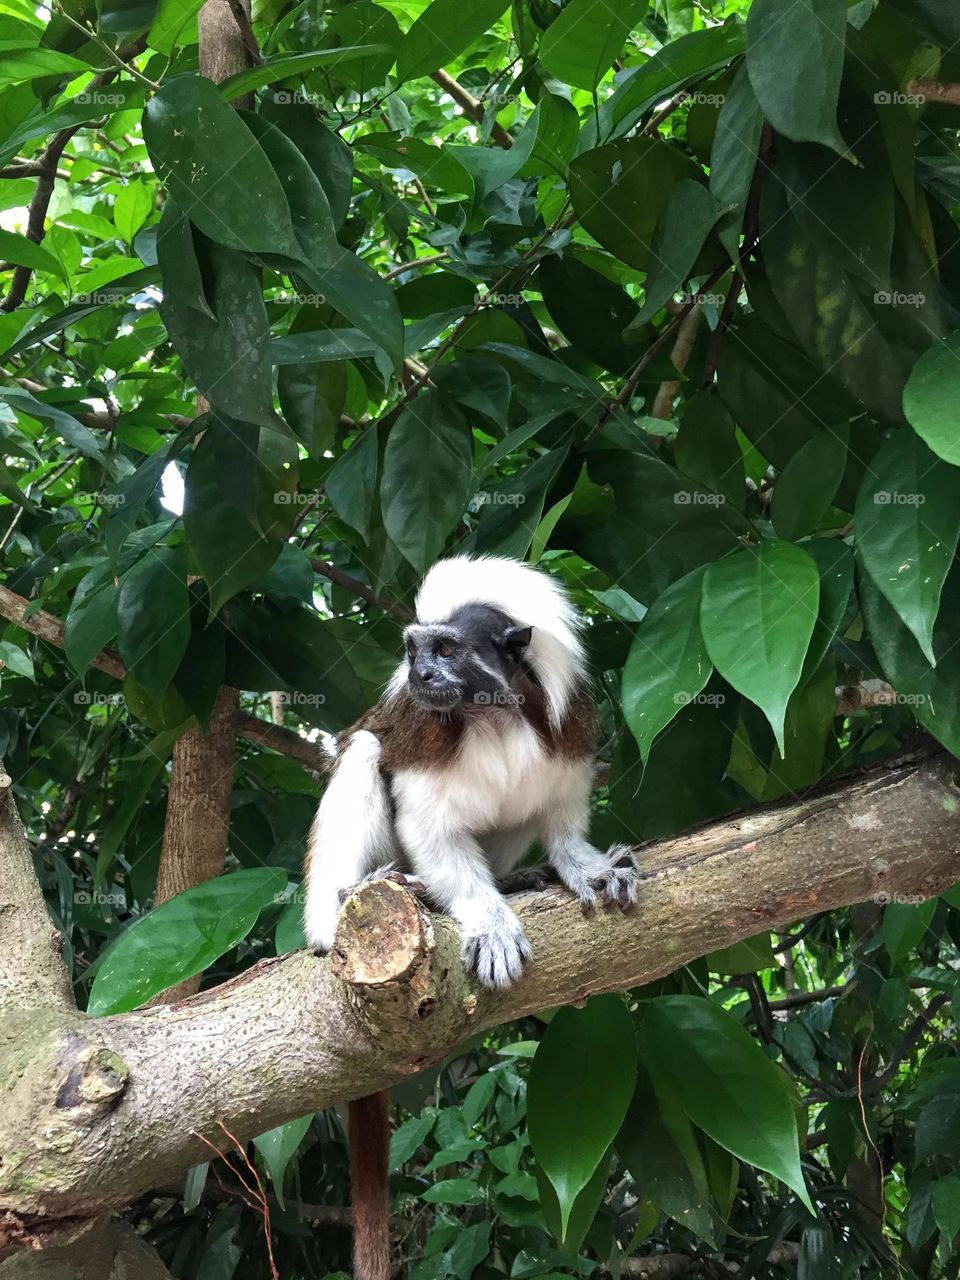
<point x="514" y="641"/>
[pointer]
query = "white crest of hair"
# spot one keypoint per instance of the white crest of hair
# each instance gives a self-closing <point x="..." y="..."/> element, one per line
<point x="532" y="598"/>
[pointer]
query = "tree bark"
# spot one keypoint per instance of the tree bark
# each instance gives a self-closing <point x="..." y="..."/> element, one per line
<point x="114" y="1106"/>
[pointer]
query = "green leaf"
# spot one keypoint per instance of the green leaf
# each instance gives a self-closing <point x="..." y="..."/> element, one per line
<point x="907" y="524"/>
<point x="289" y="935"/>
<point x="215" y="169"/>
<point x="809" y="483"/>
<point x="174" y="19"/>
<point x="946" y="1205"/>
<point x="585" y="1067"/>
<point x="667" y="666"/>
<point x="227" y="356"/>
<point x="707" y="448"/>
<point x="931" y="395"/>
<point x="25" y="253"/>
<point x="725" y="1083"/>
<point x="618" y="192"/>
<point x="92" y="621"/>
<point x="358" y="23"/>
<point x="278" y="1146"/>
<point x="153" y="615"/>
<point x="131" y="209"/>
<point x="407" y="1139"/>
<point x="15" y="660"/>
<point x="17" y="65"/>
<point x="337" y="276"/>
<point x="296" y="64"/>
<point x="758" y="612"/>
<point x="511" y="511"/>
<point x="427" y="475"/>
<point x="584" y="1209"/>
<point x="581" y="43"/>
<point x="835" y="562"/>
<point x="181" y="938"/>
<point x="75" y="434"/>
<point x="903" y="927"/>
<point x="352" y="483"/>
<point x="658" y="1145"/>
<point x="442" y="32"/>
<point x="228" y="542"/>
<point x="311" y="398"/>
<point x="682" y="228"/>
<point x="931" y="693"/>
<point x="676" y="64"/>
<point x="453" y="1191"/>
<point x="128" y="810"/>
<point x="590" y="310"/>
<point x="733" y="157"/>
<point x="749" y="956"/>
<point x="795" y="61"/>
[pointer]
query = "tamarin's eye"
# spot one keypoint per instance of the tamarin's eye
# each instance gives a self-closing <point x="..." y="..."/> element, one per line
<point x="411" y="651"/>
<point x="444" y="650"/>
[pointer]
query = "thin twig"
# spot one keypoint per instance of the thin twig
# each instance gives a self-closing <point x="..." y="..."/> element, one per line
<point x="471" y="106"/>
<point x="361" y="591"/>
<point x="413" y="264"/>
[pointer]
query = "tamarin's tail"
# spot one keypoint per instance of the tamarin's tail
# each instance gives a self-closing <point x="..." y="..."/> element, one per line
<point x="370" y="1188"/>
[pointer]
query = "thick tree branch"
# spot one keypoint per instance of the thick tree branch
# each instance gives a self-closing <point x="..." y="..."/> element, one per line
<point x="300" y="1033"/>
<point x="32" y="973"/>
<point x="935" y="91"/>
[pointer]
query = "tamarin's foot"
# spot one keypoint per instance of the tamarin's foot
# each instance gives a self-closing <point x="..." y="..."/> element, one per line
<point x="528" y="878"/>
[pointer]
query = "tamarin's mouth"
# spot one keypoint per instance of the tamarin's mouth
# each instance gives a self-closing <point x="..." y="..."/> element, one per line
<point x="435" y="699"/>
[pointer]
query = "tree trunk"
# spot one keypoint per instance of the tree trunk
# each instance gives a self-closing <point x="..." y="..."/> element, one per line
<point x="201" y="780"/>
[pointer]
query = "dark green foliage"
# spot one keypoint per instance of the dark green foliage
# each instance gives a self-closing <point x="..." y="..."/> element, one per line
<point x="691" y="344"/>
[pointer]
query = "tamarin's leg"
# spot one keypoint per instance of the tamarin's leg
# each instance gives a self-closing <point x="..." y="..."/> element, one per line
<point x="594" y="877"/>
<point x="456" y="873"/>
<point x="351" y="834"/>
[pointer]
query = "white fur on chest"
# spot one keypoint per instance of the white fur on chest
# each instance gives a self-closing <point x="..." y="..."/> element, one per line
<point x="500" y="777"/>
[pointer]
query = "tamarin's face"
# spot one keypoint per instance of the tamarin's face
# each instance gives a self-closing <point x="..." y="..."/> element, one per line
<point x="470" y="660"/>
